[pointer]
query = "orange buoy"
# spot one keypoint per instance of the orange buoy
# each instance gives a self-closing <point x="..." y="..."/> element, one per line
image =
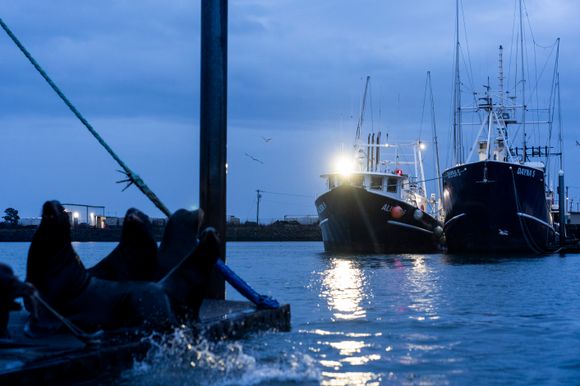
<point x="397" y="212"/>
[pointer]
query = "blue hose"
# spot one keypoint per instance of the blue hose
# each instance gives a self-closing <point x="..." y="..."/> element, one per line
<point x="261" y="301"/>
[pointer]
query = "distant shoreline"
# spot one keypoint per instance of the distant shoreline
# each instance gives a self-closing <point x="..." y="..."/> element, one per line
<point x="278" y="231"/>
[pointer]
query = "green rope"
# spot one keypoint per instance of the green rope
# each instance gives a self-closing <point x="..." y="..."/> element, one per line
<point x="132" y="177"/>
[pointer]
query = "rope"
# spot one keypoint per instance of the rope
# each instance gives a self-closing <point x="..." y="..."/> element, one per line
<point x="133" y="178"/>
<point x="88" y="339"/>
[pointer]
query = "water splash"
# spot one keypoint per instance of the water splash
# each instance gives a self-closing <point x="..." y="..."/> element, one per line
<point x="182" y="358"/>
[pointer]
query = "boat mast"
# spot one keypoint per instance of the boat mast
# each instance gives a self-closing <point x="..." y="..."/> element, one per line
<point x="362" y="112"/>
<point x="419" y="150"/>
<point x="434" y="127"/>
<point x="525" y="151"/>
<point x="500" y="79"/>
<point x="561" y="150"/>
<point x="457" y="135"/>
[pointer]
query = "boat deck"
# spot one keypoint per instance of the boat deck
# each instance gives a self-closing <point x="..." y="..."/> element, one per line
<point x="62" y="358"/>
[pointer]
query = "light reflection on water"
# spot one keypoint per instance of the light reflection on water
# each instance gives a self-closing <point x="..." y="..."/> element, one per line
<point x="348" y="288"/>
<point x="422" y="286"/>
<point x="343" y="289"/>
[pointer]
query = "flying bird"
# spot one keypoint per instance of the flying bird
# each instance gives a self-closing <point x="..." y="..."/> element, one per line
<point x="254" y="158"/>
<point x="266" y="139"/>
<point x="577" y="143"/>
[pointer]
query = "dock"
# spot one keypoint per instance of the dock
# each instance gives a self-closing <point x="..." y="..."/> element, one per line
<point x="62" y="358"/>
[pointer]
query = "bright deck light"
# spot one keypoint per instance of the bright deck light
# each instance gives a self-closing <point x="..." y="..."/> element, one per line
<point x="422" y="145"/>
<point x="344" y="165"/>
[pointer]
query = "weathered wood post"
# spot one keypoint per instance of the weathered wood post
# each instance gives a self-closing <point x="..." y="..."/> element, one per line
<point x="213" y="124"/>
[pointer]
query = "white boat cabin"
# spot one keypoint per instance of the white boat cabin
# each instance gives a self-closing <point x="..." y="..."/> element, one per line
<point x="396" y="185"/>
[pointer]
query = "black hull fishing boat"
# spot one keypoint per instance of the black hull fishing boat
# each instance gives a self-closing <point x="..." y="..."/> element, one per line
<point x="496" y="207"/>
<point x="354" y="219"/>
<point x="499" y="199"/>
<point x="373" y="205"/>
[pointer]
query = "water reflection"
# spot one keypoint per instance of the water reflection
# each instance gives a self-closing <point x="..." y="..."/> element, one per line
<point x="345" y="289"/>
<point x="423" y="289"/>
<point x="348" y="285"/>
<point x="342" y="288"/>
<point x="351" y="378"/>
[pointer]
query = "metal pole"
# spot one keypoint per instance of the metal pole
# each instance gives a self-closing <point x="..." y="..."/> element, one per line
<point x="258" y="207"/>
<point x="562" y="207"/>
<point x="213" y="124"/>
<point x="434" y="128"/>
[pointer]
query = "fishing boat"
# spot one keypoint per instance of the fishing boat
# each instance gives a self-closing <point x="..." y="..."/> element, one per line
<point x="377" y="203"/>
<point x="499" y="199"/>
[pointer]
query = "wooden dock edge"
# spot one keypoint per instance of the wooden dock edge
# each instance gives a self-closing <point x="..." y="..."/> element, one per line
<point x="89" y="363"/>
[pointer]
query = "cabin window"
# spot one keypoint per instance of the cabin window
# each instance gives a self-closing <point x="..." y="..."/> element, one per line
<point x="376" y="182"/>
<point x="331" y="182"/>
<point x="392" y="185"/>
<point x="357" y="180"/>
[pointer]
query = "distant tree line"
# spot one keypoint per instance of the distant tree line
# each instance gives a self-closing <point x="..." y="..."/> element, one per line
<point x="11" y="217"/>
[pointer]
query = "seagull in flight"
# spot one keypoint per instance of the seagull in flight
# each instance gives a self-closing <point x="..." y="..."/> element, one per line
<point x="267" y="139"/>
<point x="254" y="158"/>
<point x="577" y="143"/>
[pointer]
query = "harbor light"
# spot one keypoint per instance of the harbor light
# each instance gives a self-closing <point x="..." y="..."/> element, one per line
<point x="76" y="215"/>
<point x="344" y="165"/>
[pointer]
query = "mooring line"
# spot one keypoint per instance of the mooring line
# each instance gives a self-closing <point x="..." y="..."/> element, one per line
<point x="89" y="339"/>
<point x="132" y="177"/>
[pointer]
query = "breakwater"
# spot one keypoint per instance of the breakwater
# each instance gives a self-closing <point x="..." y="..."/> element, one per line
<point x="278" y="231"/>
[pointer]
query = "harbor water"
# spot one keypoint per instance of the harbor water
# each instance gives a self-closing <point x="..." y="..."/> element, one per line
<point x="379" y="319"/>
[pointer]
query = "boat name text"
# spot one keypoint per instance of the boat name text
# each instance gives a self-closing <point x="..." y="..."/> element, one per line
<point x="387" y="208"/>
<point x="526" y="172"/>
<point x="453" y="173"/>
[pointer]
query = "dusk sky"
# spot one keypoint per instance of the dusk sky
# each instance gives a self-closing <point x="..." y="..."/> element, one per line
<point x="296" y="76"/>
